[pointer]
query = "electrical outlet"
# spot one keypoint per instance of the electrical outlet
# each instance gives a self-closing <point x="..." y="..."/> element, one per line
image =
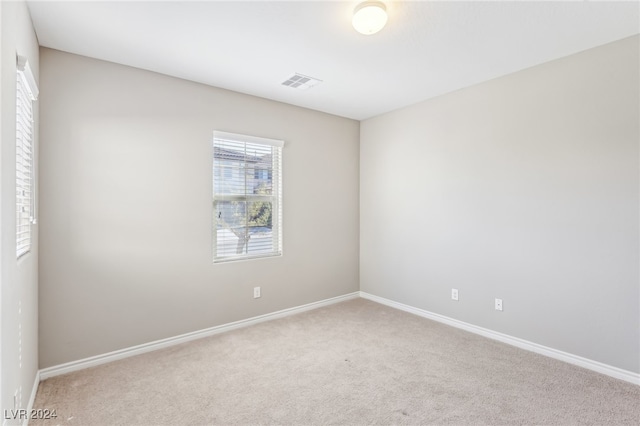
<point x="256" y="292"/>
<point x="498" y="304"/>
<point x="454" y="293"/>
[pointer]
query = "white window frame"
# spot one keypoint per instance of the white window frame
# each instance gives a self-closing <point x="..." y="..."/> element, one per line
<point x="275" y="198"/>
<point x="26" y="94"/>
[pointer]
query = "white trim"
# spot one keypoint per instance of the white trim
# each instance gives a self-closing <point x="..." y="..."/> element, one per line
<point x="236" y="137"/>
<point x="69" y="367"/>
<point x="618" y="373"/>
<point x="32" y="398"/>
<point x="81" y="364"/>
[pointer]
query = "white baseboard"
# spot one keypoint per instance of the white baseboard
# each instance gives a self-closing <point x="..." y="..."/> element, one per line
<point x="599" y="367"/>
<point x="32" y="398"/>
<point x="69" y="367"/>
<point x="172" y="341"/>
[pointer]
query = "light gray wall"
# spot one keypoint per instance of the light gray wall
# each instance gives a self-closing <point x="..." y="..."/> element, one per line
<point x="126" y="204"/>
<point x="19" y="278"/>
<point x="523" y="188"/>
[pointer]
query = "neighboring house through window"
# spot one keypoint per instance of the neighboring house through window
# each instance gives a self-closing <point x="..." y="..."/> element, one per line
<point x="247" y="196"/>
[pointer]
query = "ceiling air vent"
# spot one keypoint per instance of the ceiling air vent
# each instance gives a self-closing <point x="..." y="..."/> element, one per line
<point x="301" y="82"/>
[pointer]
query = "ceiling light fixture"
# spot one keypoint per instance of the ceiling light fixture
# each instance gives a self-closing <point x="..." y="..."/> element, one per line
<point x="369" y="17"/>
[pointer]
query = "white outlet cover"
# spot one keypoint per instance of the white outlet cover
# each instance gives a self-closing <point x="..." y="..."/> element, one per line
<point x="454" y="294"/>
<point x="498" y="304"/>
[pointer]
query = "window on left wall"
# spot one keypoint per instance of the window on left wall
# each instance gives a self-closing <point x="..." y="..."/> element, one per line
<point x="26" y="94"/>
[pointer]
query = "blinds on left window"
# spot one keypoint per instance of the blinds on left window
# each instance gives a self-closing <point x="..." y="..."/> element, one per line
<point x="26" y="93"/>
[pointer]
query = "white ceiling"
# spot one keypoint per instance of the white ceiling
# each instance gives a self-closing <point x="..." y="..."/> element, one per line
<point x="427" y="48"/>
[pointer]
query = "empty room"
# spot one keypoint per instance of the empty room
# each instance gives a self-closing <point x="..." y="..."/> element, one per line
<point x="320" y="212"/>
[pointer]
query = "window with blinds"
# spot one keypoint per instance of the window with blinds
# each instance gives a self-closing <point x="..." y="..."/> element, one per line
<point x="26" y="93"/>
<point x="247" y="197"/>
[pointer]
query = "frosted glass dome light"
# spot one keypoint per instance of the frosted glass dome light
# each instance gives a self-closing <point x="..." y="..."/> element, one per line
<point x="369" y="17"/>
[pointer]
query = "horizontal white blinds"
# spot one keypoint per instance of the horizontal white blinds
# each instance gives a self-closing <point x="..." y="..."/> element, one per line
<point x="247" y="139"/>
<point x="247" y="196"/>
<point x="26" y="92"/>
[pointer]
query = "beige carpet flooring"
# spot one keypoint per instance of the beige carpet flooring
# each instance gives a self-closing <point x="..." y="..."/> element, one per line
<point x="353" y="363"/>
